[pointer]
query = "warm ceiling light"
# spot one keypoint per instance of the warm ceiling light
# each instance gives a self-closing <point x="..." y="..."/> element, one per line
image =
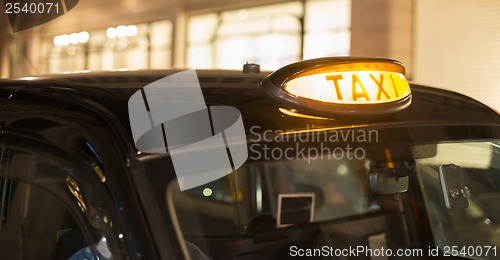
<point x="73" y="38"/>
<point x="83" y="37"/>
<point x="57" y="41"/>
<point x="121" y="31"/>
<point x="131" y="30"/>
<point x="111" y="32"/>
<point x="64" y="39"/>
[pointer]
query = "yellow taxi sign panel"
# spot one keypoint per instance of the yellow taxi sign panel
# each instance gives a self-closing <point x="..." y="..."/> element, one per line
<point x="340" y="86"/>
<point x="350" y="87"/>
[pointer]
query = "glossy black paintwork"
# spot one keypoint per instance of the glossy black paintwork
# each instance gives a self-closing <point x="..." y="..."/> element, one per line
<point x="99" y="101"/>
<point x="107" y="94"/>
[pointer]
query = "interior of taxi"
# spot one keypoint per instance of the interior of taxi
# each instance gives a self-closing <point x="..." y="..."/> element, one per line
<point x="372" y="202"/>
<point x="242" y="215"/>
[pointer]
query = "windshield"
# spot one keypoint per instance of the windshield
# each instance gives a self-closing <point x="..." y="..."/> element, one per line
<point x="336" y="189"/>
<point x="466" y="231"/>
<point x="378" y="193"/>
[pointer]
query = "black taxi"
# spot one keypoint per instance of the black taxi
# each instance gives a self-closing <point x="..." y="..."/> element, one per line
<point x="332" y="158"/>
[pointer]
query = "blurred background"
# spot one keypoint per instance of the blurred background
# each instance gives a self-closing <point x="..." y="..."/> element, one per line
<point x="452" y="44"/>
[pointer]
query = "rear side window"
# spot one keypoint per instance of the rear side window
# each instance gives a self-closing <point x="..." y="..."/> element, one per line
<point x="36" y="225"/>
<point x="54" y="208"/>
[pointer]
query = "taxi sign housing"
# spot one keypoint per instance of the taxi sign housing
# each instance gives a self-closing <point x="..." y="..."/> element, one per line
<point x="340" y="86"/>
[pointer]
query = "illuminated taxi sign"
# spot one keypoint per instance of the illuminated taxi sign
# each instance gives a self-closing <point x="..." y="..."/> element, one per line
<point x="360" y="87"/>
<point x="342" y="85"/>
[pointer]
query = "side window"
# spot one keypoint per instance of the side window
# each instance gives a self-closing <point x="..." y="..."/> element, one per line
<point x="54" y="208"/>
<point x="36" y="225"/>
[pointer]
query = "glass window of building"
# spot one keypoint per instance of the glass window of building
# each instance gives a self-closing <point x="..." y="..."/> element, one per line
<point x="161" y="44"/>
<point x="126" y="47"/>
<point x="140" y="46"/>
<point x="327" y="28"/>
<point x="229" y="39"/>
<point x="271" y="36"/>
<point x="67" y="53"/>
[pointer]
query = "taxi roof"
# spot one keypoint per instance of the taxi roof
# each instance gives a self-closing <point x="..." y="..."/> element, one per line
<point x="110" y="91"/>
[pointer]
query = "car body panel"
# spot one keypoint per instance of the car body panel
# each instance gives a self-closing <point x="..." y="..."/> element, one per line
<point x="94" y="105"/>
